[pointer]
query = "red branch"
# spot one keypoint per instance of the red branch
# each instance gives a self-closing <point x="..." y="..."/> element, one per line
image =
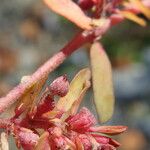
<point x="16" y="93"/>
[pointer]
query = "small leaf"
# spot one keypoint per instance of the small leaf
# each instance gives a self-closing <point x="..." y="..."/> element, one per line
<point x="43" y="142"/>
<point x="71" y="11"/>
<point x="4" y="142"/>
<point x="102" y="82"/>
<point x="114" y="143"/>
<point x="133" y="17"/>
<point x="28" y="98"/>
<point x="51" y="114"/>
<point x="145" y="10"/>
<point x="77" y="103"/>
<point x="76" y="88"/>
<point x="110" y="130"/>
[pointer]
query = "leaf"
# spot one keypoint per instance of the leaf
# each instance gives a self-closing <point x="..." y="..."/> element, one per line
<point x="51" y="114"/>
<point x="110" y="130"/>
<point x="43" y="142"/>
<point x="145" y="10"/>
<point x="4" y="142"/>
<point x="77" y="86"/>
<point x="133" y="17"/>
<point x="71" y="11"/>
<point x="28" y="98"/>
<point x="77" y="103"/>
<point x="102" y="82"/>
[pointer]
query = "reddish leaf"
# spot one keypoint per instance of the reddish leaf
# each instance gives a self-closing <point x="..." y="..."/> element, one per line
<point x="102" y="82"/>
<point x="101" y="139"/>
<point x="114" y="143"/>
<point x="71" y="11"/>
<point x="106" y="142"/>
<point x="110" y="130"/>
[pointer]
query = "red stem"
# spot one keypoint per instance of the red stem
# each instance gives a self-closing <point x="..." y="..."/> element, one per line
<point x="45" y="69"/>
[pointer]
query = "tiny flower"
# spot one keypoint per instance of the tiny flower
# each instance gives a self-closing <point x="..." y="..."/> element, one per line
<point x="82" y="121"/>
<point x="59" y="86"/>
<point x="25" y="138"/>
<point x="79" y="130"/>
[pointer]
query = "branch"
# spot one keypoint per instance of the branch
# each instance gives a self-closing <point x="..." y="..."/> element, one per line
<point x="16" y="93"/>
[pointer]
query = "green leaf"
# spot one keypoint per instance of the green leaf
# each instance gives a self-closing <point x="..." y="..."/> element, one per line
<point x="102" y="82"/>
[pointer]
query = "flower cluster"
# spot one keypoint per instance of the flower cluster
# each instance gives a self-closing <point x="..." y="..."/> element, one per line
<point x="51" y="120"/>
<point x="47" y="127"/>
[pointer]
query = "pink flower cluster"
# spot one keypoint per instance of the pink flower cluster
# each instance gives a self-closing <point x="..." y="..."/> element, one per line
<point x="47" y="128"/>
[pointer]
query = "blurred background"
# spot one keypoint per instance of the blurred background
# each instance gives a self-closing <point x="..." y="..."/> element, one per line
<point x="30" y="34"/>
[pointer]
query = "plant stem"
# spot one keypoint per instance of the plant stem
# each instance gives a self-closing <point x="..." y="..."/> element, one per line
<point x="16" y="93"/>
